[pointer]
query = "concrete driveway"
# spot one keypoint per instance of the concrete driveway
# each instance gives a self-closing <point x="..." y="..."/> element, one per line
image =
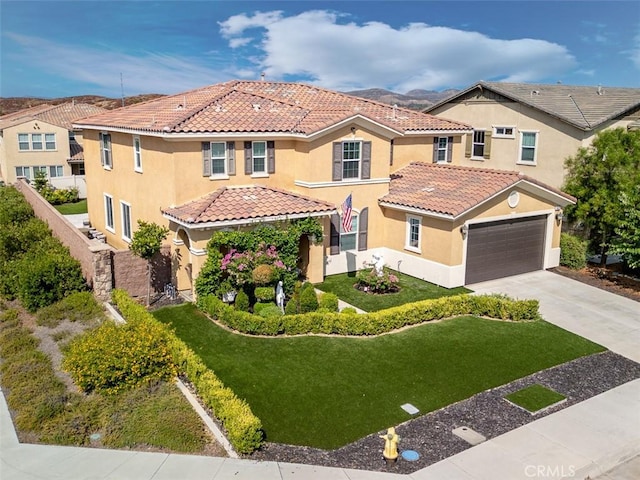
<point x="602" y="317"/>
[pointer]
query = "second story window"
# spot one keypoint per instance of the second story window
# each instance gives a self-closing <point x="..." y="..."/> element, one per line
<point x="442" y="149"/>
<point x="36" y="141"/>
<point x="105" y="150"/>
<point x="259" y="156"/>
<point x="137" y="154"/>
<point x="218" y="158"/>
<point x="351" y="159"/>
<point x="528" y="147"/>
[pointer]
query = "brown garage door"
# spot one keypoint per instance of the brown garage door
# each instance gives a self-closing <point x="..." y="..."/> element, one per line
<point x="504" y="248"/>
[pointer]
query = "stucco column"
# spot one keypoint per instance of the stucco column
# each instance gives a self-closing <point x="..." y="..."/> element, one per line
<point x="315" y="269"/>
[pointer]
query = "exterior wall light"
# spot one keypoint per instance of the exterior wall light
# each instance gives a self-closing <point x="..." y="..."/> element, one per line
<point x="464" y="230"/>
<point x="559" y="214"/>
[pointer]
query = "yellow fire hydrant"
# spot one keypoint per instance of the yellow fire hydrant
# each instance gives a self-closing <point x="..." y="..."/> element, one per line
<point x="390" y="453"/>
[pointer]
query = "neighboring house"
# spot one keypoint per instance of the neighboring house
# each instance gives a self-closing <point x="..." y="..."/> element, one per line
<point x="43" y="138"/>
<point x="534" y="128"/>
<point x="235" y="154"/>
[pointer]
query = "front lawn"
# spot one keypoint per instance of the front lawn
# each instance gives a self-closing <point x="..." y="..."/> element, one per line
<point x="411" y="290"/>
<point x="72" y="208"/>
<point x="329" y="391"/>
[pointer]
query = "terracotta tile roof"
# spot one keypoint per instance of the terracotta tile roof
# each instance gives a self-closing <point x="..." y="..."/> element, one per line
<point x="77" y="152"/>
<point x="585" y="107"/>
<point x="451" y="190"/>
<point x="247" y="203"/>
<point x="257" y="106"/>
<point x="63" y="115"/>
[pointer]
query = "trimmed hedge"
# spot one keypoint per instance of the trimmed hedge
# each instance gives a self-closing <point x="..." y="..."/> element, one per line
<point x="374" y="323"/>
<point x="243" y="428"/>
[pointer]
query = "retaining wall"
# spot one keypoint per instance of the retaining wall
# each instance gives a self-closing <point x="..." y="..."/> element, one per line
<point x="103" y="267"/>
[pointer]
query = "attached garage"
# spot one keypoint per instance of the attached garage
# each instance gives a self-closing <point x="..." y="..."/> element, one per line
<point x="504" y="248"/>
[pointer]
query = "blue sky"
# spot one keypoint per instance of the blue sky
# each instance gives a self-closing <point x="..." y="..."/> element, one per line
<point x="57" y="48"/>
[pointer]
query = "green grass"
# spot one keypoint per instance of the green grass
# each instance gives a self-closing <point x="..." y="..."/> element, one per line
<point x="72" y="208"/>
<point x="535" y="397"/>
<point x="329" y="391"/>
<point x="412" y="290"/>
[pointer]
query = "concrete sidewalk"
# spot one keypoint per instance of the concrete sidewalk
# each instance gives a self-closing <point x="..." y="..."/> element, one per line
<point x="587" y="439"/>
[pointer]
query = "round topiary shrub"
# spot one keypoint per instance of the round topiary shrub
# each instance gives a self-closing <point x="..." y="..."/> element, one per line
<point x="349" y="311"/>
<point x="329" y="301"/>
<point x="242" y="301"/>
<point x="308" y="300"/>
<point x="263" y="274"/>
<point x="291" y="308"/>
<point x="573" y="251"/>
<point x="264" y="294"/>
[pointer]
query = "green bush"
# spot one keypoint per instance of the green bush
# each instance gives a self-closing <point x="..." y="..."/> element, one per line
<point x="47" y="278"/>
<point x="113" y="358"/>
<point x="349" y="311"/>
<point x="308" y="299"/>
<point x="291" y="308"/>
<point x="242" y="301"/>
<point x="263" y="274"/>
<point x="78" y="306"/>
<point x="243" y="428"/>
<point x="14" y="209"/>
<point x="270" y="310"/>
<point x="374" y="323"/>
<point x="265" y="294"/>
<point x="573" y="251"/>
<point x="329" y="301"/>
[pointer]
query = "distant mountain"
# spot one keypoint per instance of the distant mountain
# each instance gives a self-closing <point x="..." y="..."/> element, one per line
<point x="414" y="99"/>
<point x="14" y="104"/>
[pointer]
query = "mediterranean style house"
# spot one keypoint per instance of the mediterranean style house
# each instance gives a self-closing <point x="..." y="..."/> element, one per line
<point x="235" y="154"/>
<point x="534" y="128"/>
<point x="42" y="138"/>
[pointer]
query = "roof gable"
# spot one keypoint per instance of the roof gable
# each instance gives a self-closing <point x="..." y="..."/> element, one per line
<point x="62" y="115"/>
<point x="584" y="107"/>
<point x="246" y="204"/>
<point x="451" y="191"/>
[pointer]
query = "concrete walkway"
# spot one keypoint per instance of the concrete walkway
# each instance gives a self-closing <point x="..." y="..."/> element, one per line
<point x="597" y="437"/>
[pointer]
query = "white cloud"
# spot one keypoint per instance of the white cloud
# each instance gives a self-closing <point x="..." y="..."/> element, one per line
<point x="346" y="55"/>
<point x="147" y="73"/>
<point x="634" y="54"/>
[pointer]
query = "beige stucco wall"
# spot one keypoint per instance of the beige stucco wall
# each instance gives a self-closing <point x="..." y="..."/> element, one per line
<point x="11" y="156"/>
<point x="420" y="149"/>
<point x="556" y="140"/>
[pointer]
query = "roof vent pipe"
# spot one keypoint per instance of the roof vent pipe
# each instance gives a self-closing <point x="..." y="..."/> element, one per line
<point x="600" y="90"/>
<point x="262" y="75"/>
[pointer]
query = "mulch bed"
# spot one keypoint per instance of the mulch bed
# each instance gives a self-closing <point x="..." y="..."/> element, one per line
<point x="487" y="413"/>
<point x="609" y="278"/>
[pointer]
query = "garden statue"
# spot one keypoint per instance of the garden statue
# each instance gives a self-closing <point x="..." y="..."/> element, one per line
<point x="390" y="453"/>
<point x="280" y="295"/>
<point x="378" y="263"/>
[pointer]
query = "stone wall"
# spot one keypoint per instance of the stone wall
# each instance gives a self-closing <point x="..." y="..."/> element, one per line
<point x="130" y="272"/>
<point x="103" y="267"/>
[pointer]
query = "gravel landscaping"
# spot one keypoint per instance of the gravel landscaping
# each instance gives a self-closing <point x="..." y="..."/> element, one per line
<point x="487" y="413"/>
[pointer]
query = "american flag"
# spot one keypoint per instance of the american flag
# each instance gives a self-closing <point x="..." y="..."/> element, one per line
<point x="346" y="214"/>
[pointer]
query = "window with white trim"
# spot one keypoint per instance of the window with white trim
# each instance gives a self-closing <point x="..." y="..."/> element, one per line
<point x="219" y="158"/>
<point x="259" y="157"/>
<point x="349" y="240"/>
<point x="504" y="132"/>
<point x="528" y="147"/>
<point x="108" y="213"/>
<point x="412" y="241"/>
<point x="442" y="149"/>
<point x="478" y="144"/>
<point x="56" y="171"/>
<point x="39" y="169"/>
<point x="105" y="150"/>
<point x="351" y="156"/>
<point x="137" y="154"/>
<point x="36" y="141"/>
<point x="125" y="209"/>
<point x="23" y="172"/>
